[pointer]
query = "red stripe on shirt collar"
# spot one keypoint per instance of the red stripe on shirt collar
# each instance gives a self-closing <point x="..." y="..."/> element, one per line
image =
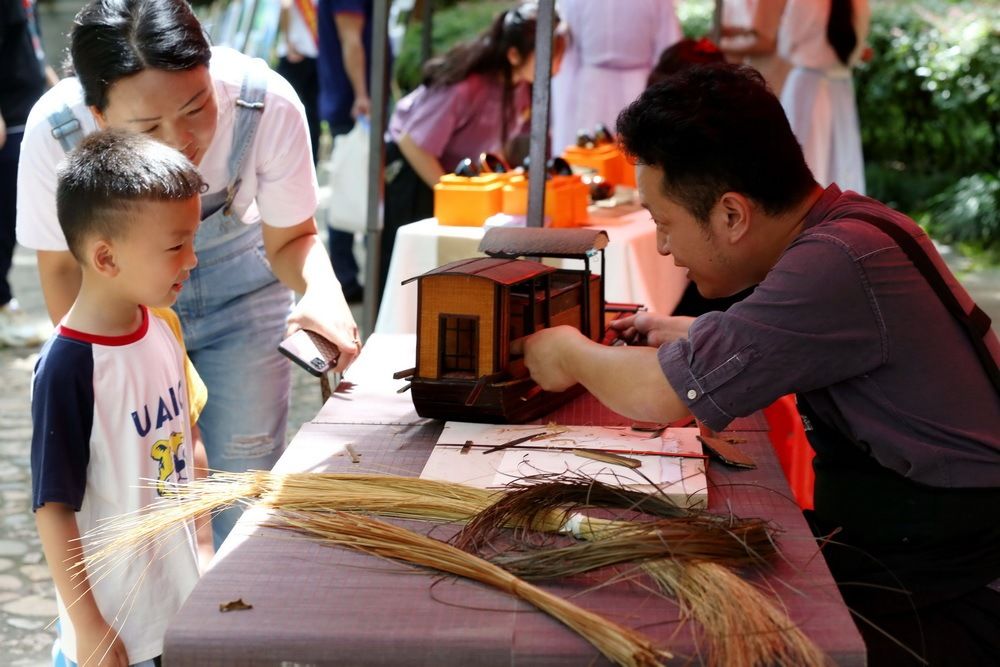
<point x="109" y="341"/>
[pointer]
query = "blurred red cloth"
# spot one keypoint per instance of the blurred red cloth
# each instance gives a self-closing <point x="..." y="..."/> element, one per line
<point x="788" y="438"/>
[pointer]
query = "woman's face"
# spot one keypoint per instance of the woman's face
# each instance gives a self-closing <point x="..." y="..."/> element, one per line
<point x="523" y="68"/>
<point x="176" y="108"/>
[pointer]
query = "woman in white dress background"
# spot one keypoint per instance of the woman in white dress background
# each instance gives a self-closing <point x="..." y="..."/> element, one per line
<point x="823" y="41"/>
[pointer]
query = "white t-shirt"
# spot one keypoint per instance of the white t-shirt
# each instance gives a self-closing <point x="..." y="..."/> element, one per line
<point x="299" y="35"/>
<point x="279" y="180"/>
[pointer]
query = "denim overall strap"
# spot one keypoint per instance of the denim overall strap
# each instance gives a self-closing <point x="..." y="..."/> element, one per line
<point x="66" y="128"/>
<point x="233" y="311"/>
<point x="219" y="223"/>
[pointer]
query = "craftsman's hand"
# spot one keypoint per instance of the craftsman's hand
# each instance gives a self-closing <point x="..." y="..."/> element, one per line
<point x="546" y="354"/>
<point x="650" y="329"/>
<point x="328" y="315"/>
<point x="98" y="645"/>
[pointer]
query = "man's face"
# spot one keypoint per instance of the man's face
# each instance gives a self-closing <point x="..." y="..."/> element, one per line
<point x="693" y="245"/>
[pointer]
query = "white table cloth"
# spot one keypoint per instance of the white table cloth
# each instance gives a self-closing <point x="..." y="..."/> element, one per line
<point x="636" y="273"/>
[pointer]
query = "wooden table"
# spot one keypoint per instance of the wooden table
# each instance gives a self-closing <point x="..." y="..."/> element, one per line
<point x="636" y="273"/>
<point x="321" y="605"/>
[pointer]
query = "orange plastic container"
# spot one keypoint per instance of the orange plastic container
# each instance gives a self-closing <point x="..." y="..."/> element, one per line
<point x="468" y="201"/>
<point x="609" y="163"/>
<point x="566" y="200"/>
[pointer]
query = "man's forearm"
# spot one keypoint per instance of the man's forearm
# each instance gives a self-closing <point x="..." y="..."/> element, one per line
<point x="628" y="380"/>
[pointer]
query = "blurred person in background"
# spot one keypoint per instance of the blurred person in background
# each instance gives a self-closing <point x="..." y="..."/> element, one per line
<point x="345" y="48"/>
<point x="611" y="49"/>
<point x="298" y="49"/>
<point x="473" y="99"/>
<point x="750" y="35"/>
<point x="23" y="78"/>
<point x="823" y="41"/>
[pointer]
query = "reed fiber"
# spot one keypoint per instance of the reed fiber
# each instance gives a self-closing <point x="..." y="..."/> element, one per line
<point x="684" y="539"/>
<point x="412" y="498"/>
<point x="619" y="644"/>
<point x="741" y="625"/>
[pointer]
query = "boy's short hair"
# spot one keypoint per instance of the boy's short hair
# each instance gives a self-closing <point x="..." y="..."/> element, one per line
<point x="712" y="129"/>
<point x="107" y="174"/>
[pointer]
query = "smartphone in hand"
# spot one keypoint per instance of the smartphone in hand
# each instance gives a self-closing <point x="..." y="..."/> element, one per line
<point x="311" y="351"/>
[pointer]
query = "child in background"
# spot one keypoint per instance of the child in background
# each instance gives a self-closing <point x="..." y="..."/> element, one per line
<point x="114" y="398"/>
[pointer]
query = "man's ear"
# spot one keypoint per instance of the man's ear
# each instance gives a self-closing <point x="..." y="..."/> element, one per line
<point x="734" y="212"/>
<point x="102" y="123"/>
<point x="101" y="253"/>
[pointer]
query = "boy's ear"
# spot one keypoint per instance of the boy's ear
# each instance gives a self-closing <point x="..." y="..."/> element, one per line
<point x="102" y="258"/>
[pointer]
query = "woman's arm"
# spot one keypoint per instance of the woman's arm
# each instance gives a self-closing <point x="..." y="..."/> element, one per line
<point x="96" y="641"/>
<point x="350" y="27"/>
<point x="426" y="165"/>
<point x="60" y="276"/>
<point x="299" y="261"/>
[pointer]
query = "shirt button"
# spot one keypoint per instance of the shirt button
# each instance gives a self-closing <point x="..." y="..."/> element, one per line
<point x="692" y="394"/>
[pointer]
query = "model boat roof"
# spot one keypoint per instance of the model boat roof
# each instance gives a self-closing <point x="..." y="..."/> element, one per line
<point x="501" y="270"/>
<point x="542" y="242"/>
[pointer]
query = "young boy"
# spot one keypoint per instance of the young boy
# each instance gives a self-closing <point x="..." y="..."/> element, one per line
<point x="114" y="397"/>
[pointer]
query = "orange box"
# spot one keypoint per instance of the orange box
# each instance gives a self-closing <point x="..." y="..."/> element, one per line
<point x="468" y="201"/>
<point x="609" y="163"/>
<point x="566" y="200"/>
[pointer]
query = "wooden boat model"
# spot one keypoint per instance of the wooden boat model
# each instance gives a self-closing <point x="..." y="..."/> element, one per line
<point x="469" y="312"/>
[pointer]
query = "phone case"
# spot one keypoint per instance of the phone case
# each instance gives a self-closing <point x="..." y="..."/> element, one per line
<point x="310" y="351"/>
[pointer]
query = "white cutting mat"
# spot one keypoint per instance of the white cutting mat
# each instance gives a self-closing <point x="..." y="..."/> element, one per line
<point x="682" y="479"/>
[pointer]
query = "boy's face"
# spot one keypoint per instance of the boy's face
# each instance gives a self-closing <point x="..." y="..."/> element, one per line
<point x="156" y="254"/>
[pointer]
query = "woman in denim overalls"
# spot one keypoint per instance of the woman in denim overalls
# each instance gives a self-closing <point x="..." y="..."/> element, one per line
<point x="233" y="307"/>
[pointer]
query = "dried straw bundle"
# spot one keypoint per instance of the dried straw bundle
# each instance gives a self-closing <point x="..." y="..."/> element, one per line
<point x="621" y="645"/>
<point x="742" y="626"/>
<point x="315" y="494"/>
<point x="546" y="506"/>
<point x="684" y="539"/>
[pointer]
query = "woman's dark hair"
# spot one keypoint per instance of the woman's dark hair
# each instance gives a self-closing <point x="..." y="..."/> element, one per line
<point x="840" y="29"/>
<point x="683" y="54"/>
<point x="487" y="54"/>
<point x="712" y="129"/>
<point x="112" y="39"/>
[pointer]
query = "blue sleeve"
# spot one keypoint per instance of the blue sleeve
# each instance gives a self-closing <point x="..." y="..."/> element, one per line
<point x="347" y="6"/>
<point x="62" y="415"/>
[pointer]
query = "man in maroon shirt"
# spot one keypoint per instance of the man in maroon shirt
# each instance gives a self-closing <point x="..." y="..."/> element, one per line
<point x="900" y="393"/>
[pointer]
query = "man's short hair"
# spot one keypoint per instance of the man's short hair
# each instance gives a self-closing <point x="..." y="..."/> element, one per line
<point x="712" y="129"/>
<point x="107" y="174"/>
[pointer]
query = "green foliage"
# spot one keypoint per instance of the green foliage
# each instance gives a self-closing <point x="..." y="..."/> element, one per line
<point x="968" y="212"/>
<point x="696" y="17"/>
<point x="451" y="25"/>
<point x="929" y="103"/>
